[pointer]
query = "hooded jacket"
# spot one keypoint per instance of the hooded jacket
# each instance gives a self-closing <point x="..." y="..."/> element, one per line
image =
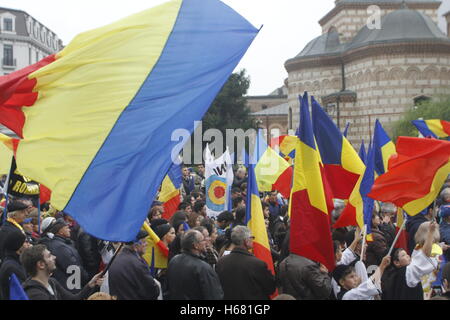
<point x="36" y="291"/>
<point x="10" y="265"/>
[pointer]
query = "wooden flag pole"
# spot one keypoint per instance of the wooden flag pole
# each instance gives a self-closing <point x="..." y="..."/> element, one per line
<point x="5" y="190"/>
<point x="397" y="237"/>
<point x="363" y="247"/>
<point x="112" y="260"/>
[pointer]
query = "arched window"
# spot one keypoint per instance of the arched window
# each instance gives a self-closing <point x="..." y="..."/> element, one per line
<point x="264" y="107"/>
<point x="421" y="99"/>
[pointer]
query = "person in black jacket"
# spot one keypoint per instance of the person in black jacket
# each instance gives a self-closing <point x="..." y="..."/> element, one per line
<point x="17" y="211"/>
<point x="188" y="276"/>
<point x="39" y="264"/>
<point x="413" y="224"/>
<point x="87" y="247"/>
<point x="69" y="272"/>
<point x="15" y="244"/>
<point x="242" y="275"/>
<point x="129" y="275"/>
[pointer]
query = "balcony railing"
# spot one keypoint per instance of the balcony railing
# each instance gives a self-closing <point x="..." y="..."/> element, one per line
<point x="7" y="62"/>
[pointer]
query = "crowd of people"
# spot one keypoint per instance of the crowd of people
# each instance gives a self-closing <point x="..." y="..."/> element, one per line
<point x="211" y="258"/>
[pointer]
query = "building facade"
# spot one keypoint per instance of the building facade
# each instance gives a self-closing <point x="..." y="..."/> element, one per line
<point x="24" y="40"/>
<point x="361" y="72"/>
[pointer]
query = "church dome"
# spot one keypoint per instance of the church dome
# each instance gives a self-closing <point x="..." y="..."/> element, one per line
<point x="403" y="25"/>
<point x="326" y="44"/>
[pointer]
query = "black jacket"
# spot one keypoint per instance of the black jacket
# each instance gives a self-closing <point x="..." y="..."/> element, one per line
<point x="87" y="247"/>
<point x="191" y="278"/>
<point x="6" y="229"/>
<point x="394" y="286"/>
<point x="245" y="277"/>
<point x="412" y="225"/>
<point x="36" y="291"/>
<point x="10" y="265"/>
<point x="130" y="279"/>
<point x="66" y="257"/>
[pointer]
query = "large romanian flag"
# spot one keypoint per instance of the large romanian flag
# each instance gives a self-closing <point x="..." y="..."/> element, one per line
<point x="255" y="221"/>
<point x="384" y="148"/>
<point x="433" y="128"/>
<point x="311" y="202"/>
<point x="97" y="118"/>
<point x="415" y="175"/>
<point x="170" y="193"/>
<point x="272" y="171"/>
<point x="342" y="165"/>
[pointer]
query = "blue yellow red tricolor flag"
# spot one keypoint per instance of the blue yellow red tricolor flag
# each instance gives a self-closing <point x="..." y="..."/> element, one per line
<point x="286" y="145"/>
<point x="362" y="152"/>
<point x="170" y="194"/>
<point x="255" y="220"/>
<point x="359" y="209"/>
<point x="157" y="253"/>
<point x="105" y="108"/>
<point x="434" y="128"/>
<point x="384" y="148"/>
<point x="415" y="175"/>
<point x="272" y="171"/>
<point x="342" y="165"/>
<point x="311" y="201"/>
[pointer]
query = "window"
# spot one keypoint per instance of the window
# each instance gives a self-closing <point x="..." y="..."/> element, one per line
<point x="8" y="58"/>
<point x="8" y="24"/>
<point x="264" y="107"/>
<point x="37" y="56"/>
<point x="420" y="100"/>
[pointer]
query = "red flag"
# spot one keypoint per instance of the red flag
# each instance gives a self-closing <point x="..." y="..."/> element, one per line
<point x="415" y="175"/>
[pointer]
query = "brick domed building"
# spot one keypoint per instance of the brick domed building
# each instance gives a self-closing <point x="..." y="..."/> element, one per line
<point x="360" y="73"/>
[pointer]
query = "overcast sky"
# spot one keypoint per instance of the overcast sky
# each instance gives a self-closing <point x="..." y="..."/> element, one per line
<point x="288" y="26"/>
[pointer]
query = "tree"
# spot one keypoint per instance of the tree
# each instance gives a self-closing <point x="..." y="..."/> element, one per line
<point x="229" y="110"/>
<point x="437" y="108"/>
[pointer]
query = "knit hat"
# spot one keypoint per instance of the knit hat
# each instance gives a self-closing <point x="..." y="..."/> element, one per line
<point x="341" y="271"/>
<point x="16" y="206"/>
<point x="141" y="235"/>
<point x="157" y="222"/>
<point x="445" y="211"/>
<point x="47" y="223"/>
<point x="58" y="225"/>
<point x="162" y="230"/>
<point x="14" y="241"/>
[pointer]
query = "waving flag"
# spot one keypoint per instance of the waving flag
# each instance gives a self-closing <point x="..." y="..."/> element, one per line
<point x="359" y="209"/>
<point x="218" y="180"/>
<point x="170" y="191"/>
<point x="362" y="152"/>
<point x="342" y="165"/>
<point x="16" y="291"/>
<point x="433" y="128"/>
<point x="255" y="221"/>
<point x="157" y="253"/>
<point x="384" y="148"/>
<point x="415" y="175"/>
<point x="310" y="204"/>
<point x="113" y="97"/>
<point x="345" y="133"/>
<point x="286" y="144"/>
<point x="272" y="171"/>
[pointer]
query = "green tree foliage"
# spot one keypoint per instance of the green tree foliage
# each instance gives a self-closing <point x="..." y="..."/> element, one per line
<point x="437" y="108"/>
<point x="229" y="110"/>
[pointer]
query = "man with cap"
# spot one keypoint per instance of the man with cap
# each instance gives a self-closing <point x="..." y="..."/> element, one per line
<point x="129" y="276"/>
<point x="444" y="228"/>
<point x="16" y="243"/>
<point x="69" y="272"/>
<point x="17" y="213"/>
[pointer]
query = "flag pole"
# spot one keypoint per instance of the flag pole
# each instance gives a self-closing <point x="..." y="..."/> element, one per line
<point x="112" y="260"/>
<point x="5" y="190"/>
<point x="363" y="247"/>
<point x="396" y="237"/>
<point x="39" y="210"/>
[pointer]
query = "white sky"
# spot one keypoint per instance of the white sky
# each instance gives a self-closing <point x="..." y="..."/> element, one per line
<point x="288" y="26"/>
